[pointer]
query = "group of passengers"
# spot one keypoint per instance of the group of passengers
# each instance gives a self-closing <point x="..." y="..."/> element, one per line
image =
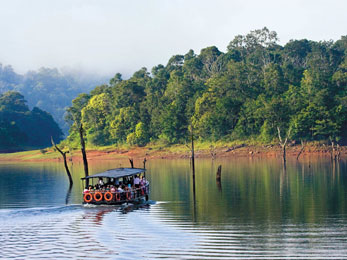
<point x="133" y="183"/>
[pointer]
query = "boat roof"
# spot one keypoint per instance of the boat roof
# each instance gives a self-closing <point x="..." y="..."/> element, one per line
<point x="117" y="173"/>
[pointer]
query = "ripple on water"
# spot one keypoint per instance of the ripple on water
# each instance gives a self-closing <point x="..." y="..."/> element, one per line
<point x="151" y="232"/>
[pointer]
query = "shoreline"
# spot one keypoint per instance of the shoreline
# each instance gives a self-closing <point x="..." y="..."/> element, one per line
<point x="170" y="152"/>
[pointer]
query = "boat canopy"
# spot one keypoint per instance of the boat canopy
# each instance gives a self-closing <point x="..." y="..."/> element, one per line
<point x="116" y="173"/>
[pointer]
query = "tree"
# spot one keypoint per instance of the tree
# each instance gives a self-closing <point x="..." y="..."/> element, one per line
<point x="140" y="136"/>
<point x="21" y="128"/>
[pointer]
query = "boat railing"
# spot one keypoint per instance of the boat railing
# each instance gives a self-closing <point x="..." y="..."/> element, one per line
<point x="108" y="196"/>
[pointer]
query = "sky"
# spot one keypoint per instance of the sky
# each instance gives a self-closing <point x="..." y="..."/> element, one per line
<point x="110" y="36"/>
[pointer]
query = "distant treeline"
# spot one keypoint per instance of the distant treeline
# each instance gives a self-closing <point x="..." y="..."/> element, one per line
<point x="21" y="128"/>
<point x="249" y="92"/>
<point x="48" y="89"/>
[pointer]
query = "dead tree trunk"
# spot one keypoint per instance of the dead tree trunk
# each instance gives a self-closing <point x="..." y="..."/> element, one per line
<point x="131" y="162"/>
<point x="84" y="155"/>
<point x="65" y="163"/>
<point x="283" y="143"/>
<point x="193" y="155"/>
<point x="193" y="160"/>
<point x="219" y="173"/>
<point x="335" y="152"/>
<point x="332" y="155"/>
<point x="144" y="163"/>
<point x="218" y="178"/>
<point x="301" y="150"/>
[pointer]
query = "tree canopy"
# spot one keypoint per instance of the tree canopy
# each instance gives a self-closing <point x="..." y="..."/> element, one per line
<point x="247" y="92"/>
<point x="21" y="128"/>
<point x="48" y="89"/>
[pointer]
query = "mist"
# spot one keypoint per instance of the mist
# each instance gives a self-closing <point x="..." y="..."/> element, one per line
<point x="108" y="36"/>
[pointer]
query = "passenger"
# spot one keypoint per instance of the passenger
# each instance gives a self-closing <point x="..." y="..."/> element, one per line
<point x="101" y="182"/>
<point x="113" y="190"/>
<point x="137" y="182"/>
<point x="85" y="190"/>
<point x="108" y="188"/>
<point x="121" y="189"/>
<point x="144" y="181"/>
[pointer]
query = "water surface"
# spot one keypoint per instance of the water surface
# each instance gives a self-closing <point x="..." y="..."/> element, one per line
<point x="258" y="211"/>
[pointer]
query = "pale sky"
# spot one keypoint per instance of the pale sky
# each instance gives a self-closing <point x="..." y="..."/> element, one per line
<point x="109" y="36"/>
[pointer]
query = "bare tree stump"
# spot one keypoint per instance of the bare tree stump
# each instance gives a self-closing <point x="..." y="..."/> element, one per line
<point x="65" y="163"/>
<point x="301" y="150"/>
<point x="84" y="154"/>
<point x="283" y="143"/>
<point x="131" y="162"/>
<point x="144" y="163"/>
<point x="213" y="152"/>
<point x="219" y="173"/>
<point x="332" y="156"/>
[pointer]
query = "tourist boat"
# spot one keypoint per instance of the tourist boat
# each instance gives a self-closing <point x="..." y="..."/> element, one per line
<point x="104" y="187"/>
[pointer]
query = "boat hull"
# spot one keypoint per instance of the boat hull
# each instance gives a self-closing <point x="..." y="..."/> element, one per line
<point x="101" y="197"/>
<point x="137" y="200"/>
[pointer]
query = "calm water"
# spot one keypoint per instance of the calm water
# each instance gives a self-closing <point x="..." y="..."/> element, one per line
<point x="258" y="211"/>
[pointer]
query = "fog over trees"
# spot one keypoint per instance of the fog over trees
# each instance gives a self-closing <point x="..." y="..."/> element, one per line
<point x="48" y="89"/>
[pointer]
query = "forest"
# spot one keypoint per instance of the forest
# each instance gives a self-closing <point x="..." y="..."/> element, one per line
<point x="22" y="128"/>
<point x="49" y="89"/>
<point x="252" y="91"/>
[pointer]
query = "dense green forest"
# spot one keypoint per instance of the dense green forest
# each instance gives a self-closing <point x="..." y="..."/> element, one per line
<point x="21" y="128"/>
<point x="48" y="89"/>
<point x="248" y="92"/>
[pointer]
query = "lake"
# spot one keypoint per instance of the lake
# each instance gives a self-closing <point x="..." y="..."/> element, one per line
<point x="259" y="210"/>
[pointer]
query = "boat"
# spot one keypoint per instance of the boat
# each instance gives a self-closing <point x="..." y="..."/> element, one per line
<point x="116" y="186"/>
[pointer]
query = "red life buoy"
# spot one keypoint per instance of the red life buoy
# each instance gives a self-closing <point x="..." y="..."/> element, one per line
<point x="108" y="196"/>
<point x="87" y="197"/>
<point x="143" y="191"/>
<point x="98" y="196"/>
<point x="118" y="196"/>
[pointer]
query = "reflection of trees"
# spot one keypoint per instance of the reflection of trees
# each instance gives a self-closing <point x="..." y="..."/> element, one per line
<point x="258" y="190"/>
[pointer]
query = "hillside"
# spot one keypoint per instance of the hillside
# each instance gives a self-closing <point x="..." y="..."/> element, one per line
<point x="48" y="89"/>
<point x="254" y="91"/>
<point x="22" y="128"/>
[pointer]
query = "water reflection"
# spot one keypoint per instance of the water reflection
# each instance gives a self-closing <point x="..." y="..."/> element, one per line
<point x="258" y="210"/>
<point x="258" y="191"/>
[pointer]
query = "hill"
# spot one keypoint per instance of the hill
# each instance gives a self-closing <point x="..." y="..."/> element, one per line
<point x="48" y="89"/>
<point x="22" y="129"/>
<point x="253" y="91"/>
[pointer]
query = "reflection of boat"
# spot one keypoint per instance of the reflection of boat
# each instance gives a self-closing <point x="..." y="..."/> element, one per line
<point x="116" y="186"/>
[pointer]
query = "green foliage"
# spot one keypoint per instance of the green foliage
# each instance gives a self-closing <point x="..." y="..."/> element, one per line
<point x="21" y="128"/>
<point x="248" y="92"/>
<point x="140" y="137"/>
<point x="48" y="89"/>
